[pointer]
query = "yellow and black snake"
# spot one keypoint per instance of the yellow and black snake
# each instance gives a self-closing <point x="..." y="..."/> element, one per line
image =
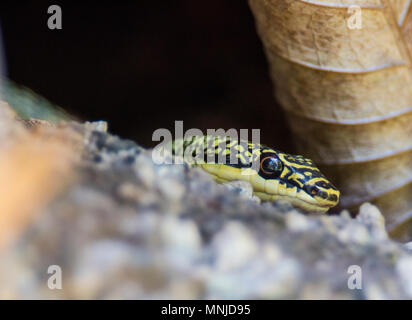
<point x="276" y="175"/>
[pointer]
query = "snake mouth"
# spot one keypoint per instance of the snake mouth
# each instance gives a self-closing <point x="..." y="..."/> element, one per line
<point x="295" y="196"/>
<point x="296" y="202"/>
<point x="309" y="205"/>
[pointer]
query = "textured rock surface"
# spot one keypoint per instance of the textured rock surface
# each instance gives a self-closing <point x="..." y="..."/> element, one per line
<point x="127" y="228"/>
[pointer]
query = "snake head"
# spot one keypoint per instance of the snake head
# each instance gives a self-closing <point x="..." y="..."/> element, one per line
<point x="295" y="179"/>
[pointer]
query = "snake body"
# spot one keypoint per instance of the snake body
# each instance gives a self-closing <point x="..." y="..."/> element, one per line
<point x="275" y="175"/>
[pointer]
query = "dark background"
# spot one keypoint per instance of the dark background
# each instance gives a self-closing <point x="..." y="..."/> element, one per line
<point x="142" y="65"/>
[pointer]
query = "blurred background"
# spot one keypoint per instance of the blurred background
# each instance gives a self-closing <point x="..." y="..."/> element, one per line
<point x="141" y="65"/>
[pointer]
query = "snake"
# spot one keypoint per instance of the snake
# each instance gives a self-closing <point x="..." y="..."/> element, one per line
<point x="276" y="175"/>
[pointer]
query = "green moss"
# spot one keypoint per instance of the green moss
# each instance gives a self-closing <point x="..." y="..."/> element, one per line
<point x="28" y="104"/>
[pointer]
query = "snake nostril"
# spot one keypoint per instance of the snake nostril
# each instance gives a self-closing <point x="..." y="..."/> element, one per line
<point x="333" y="197"/>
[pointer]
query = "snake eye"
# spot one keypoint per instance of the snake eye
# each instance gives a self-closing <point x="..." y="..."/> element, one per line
<point x="271" y="166"/>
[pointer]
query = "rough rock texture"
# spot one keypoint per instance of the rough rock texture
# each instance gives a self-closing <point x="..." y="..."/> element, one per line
<point x="128" y="228"/>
